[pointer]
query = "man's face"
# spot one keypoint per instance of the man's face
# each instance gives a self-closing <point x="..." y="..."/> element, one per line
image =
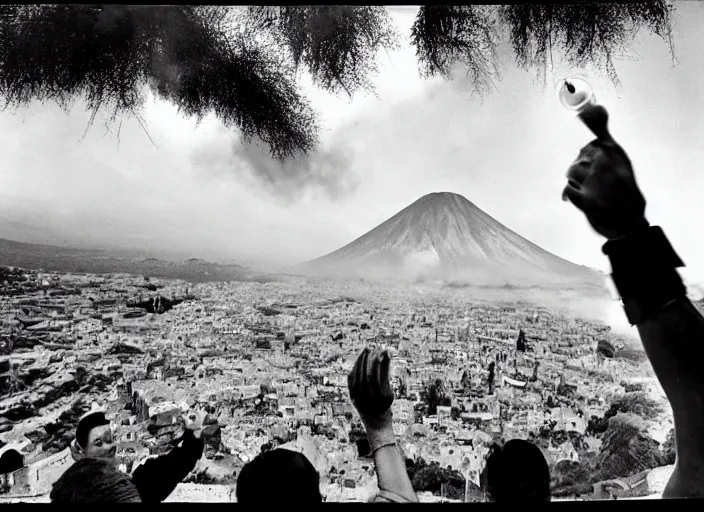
<point x="101" y="443"/>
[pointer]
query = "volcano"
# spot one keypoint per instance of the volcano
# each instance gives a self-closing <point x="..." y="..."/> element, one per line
<point x="444" y="237"/>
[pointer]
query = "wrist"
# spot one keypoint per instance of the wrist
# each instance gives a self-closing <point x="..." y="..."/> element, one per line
<point x="632" y="228"/>
<point x="379" y="424"/>
<point x="645" y="250"/>
<point x="644" y="272"/>
<point x="385" y="447"/>
<point x="380" y="436"/>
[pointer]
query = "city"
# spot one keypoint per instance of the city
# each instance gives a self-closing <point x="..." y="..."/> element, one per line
<point x="267" y="365"/>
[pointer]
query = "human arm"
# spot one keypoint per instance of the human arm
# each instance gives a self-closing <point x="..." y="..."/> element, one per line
<point x="157" y="478"/>
<point x="394" y="484"/>
<point x="602" y="184"/>
<point x="371" y="394"/>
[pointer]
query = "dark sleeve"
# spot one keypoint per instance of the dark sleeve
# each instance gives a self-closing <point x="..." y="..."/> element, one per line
<point x="157" y="478"/>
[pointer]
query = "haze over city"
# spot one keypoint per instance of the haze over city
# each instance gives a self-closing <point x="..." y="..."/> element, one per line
<point x="198" y="192"/>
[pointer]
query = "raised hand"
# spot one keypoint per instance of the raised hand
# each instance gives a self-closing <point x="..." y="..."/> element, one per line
<point x="370" y="389"/>
<point x="372" y="395"/>
<point x="193" y="420"/>
<point x="601" y="182"/>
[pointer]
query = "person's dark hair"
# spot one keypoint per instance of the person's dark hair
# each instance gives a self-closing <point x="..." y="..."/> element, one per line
<point x="94" y="481"/>
<point x="517" y="471"/>
<point x="88" y="423"/>
<point x="11" y="460"/>
<point x="279" y="476"/>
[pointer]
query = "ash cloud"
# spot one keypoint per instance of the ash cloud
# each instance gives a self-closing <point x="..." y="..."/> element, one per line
<point x="327" y="171"/>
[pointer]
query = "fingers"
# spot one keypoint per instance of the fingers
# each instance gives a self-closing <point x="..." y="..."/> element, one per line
<point x="352" y="376"/>
<point x="384" y="365"/>
<point x="579" y="171"/>
<point x="360" y="368"/>
<point x="574" y="185"/>
<point x="379" y="372"/>
<point x="357" y="375"/>
<point x="375" y="382"/>
<point x="597" y="118"/>
<point x="363" y="382"/>
<point x="577" y="175"/>
<point x="573" y="194"/>
<point x="369" y="378"/>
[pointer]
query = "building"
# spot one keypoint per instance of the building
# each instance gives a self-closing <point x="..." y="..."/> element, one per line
<point x="444" y="414"/>
<point x="630" y="487"/>
<point x="38" y="477"/>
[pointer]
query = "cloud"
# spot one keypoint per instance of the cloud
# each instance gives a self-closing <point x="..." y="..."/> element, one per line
<point x="328" y="171"/>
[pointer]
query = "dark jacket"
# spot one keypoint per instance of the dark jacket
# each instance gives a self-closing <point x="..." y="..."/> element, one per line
<point x="157" y="478"/>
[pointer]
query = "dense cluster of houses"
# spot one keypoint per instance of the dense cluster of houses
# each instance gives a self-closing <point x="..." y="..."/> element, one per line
<point x="267" y="364"/>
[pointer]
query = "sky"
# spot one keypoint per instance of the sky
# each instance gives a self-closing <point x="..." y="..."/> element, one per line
<point x="198" y="192"/>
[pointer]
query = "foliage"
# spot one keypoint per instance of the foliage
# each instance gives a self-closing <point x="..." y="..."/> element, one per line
<point x="491" y="377"/>
<point x="636" y="403"/>
<point x="187" y="55"/>
<point x="357" y="433"/>
<point x="635" y="355"/>
<point x="585" y="33"/>
<point x="632" y="387"/>
<point x="626" y="449"/>
<point x="12" y="275"/>
<point x="432" y="477"/>
<point x="447" y="35"/>
<point x="570" y="478"/>
<point x="606" y="349"/>
<point x="240" y="63"/>
<point x="548" y="437"/>
<point x="338" y="44"/>
<point x="413" y="466"/>
<point x="436" y="395"/>
<point x="202" y="477"/>
<point x="466" y="382"/>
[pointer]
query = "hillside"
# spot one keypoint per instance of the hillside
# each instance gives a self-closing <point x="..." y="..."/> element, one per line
<point x="61" y="259"/>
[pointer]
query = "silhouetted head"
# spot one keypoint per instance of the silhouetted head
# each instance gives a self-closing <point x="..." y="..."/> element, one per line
<point x="517" y="471"/>
<point x="94" y="437"/>
<point x="94" y="481"/>
<point x="279" y="476"/>
<point x="11" y="460"/>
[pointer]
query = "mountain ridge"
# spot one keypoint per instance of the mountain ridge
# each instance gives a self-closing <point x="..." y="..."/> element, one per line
<point x="97" y="261"/>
